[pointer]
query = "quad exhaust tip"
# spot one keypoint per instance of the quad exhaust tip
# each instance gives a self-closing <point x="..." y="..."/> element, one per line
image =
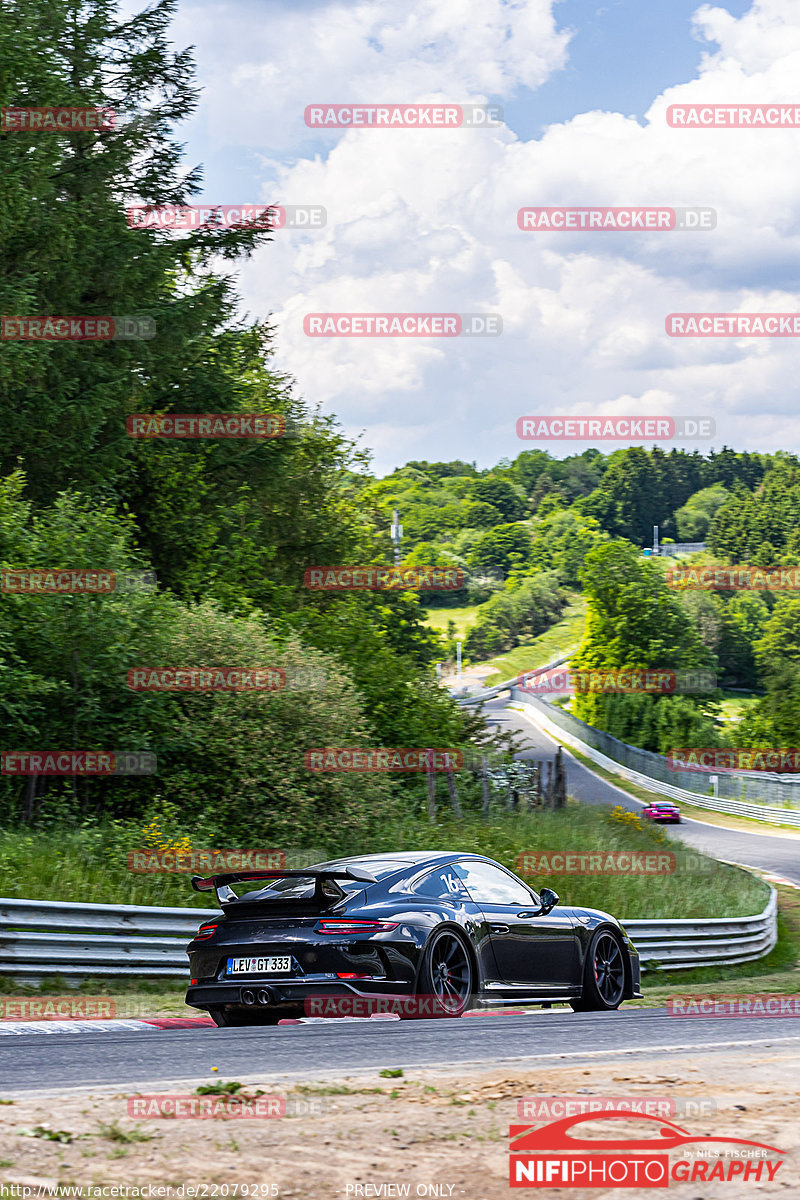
<point x="262" y="996"/>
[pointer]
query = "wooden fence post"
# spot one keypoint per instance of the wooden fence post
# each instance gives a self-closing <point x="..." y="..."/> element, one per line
<point x="454" y="801"/>
<point x="485" y="784"/>
<point x="560" y="783"/>
<point x="431" y="794"/>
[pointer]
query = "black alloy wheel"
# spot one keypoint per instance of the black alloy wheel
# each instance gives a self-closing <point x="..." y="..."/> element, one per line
<point x="446" y="978"/>
<point x="604" y="975"/>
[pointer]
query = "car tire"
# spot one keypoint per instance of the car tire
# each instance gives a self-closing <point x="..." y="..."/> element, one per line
<point x="447" y="982"/>
<point x="238" y="1017"/>
<point x="603" y="975"/>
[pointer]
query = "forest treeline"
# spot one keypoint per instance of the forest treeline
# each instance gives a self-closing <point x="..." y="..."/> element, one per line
<point x="230" y="526"/>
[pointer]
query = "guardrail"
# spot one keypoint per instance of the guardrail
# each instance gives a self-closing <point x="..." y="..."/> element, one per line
<point x="783" y="788"/>
<point x="40" y="939"/>
<point x="492" y="692"/>
<point x="740" y="808"/>
<point x="668" y="549"/>
<point x="680" y="944"/>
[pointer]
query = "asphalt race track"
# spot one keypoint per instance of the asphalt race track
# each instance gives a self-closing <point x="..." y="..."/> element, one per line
<point x="35" y="1061"/>
<point x="768" y="852"/>
<point x="134" y="1060"/>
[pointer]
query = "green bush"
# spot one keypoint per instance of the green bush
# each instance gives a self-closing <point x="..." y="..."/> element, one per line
<point x="527" y="606"/>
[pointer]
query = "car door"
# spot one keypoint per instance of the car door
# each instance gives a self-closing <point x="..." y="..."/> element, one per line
<point x="445" y="886"/>
<point x="537" y="951"/>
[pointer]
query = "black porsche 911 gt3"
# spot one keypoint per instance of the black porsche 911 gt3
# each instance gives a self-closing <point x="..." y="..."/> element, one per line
<point x="438" y="933"/>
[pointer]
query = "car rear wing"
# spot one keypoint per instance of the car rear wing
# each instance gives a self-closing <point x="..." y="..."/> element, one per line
<point x="226" y="895"/>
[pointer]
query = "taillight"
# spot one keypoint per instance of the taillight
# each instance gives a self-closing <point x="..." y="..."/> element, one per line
<point x="345" y="926"/>
<point x="205" y="931"/>
<point x="352" y="975"/>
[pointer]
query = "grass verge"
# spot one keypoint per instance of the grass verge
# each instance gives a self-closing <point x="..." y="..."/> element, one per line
<point x="778" y="971"/>
<point x="561" y="638"/>
<point x="462" y="618"/>
<point x="734" y="705"/>
<point x="88" y="865"/>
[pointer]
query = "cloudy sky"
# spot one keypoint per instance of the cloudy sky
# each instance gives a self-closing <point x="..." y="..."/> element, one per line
<point x="426" y="220"/>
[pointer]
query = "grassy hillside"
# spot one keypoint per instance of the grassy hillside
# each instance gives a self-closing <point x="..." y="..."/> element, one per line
<point x="561" y="638"/>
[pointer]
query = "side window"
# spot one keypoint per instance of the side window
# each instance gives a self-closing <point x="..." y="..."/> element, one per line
<point x="487" y="884"/>
<point x="442" y="884"/>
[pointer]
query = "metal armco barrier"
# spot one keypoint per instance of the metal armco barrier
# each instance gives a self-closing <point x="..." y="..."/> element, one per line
<point x="40" y="938"/>
<point x="542" y="715"/>
<point x="492" y="692"/>
<point x="666" y="550"/>
<point x="680" y="944"/>
<point x="779" y="792"/>
<point x="43" y="938"/>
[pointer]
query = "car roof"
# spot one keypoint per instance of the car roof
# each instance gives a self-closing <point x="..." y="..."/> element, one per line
<point x="403" y="855"/>
<point x="403" y="858"/>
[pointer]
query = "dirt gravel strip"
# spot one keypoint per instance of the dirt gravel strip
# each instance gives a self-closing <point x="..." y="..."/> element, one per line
<point x="435" y="1132"/>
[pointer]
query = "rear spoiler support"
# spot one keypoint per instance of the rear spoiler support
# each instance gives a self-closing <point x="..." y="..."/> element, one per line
<point x="226" y="895"/>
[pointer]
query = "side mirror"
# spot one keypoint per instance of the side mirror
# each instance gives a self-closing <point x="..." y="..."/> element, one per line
<point x="549" y="899"/>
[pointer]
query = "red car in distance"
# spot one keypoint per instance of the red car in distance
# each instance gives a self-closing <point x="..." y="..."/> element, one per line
<point x="662" y="810"/>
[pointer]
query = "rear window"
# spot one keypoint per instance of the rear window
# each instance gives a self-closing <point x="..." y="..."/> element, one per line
<point x="379" y="867"/>
<point x="302" y="887"/>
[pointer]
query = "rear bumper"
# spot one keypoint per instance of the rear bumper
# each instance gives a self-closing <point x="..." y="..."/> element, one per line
<point x="288" y="993"/>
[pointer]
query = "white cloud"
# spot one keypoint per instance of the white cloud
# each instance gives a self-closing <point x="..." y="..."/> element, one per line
<point x="262" y="65"/>
<point x="426" y="221"/>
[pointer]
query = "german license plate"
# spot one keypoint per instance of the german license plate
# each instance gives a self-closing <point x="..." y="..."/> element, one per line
<point x="259" y="966"/>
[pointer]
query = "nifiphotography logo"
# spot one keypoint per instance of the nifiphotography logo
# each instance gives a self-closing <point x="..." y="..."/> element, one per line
<point x="554" y="1155"/>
